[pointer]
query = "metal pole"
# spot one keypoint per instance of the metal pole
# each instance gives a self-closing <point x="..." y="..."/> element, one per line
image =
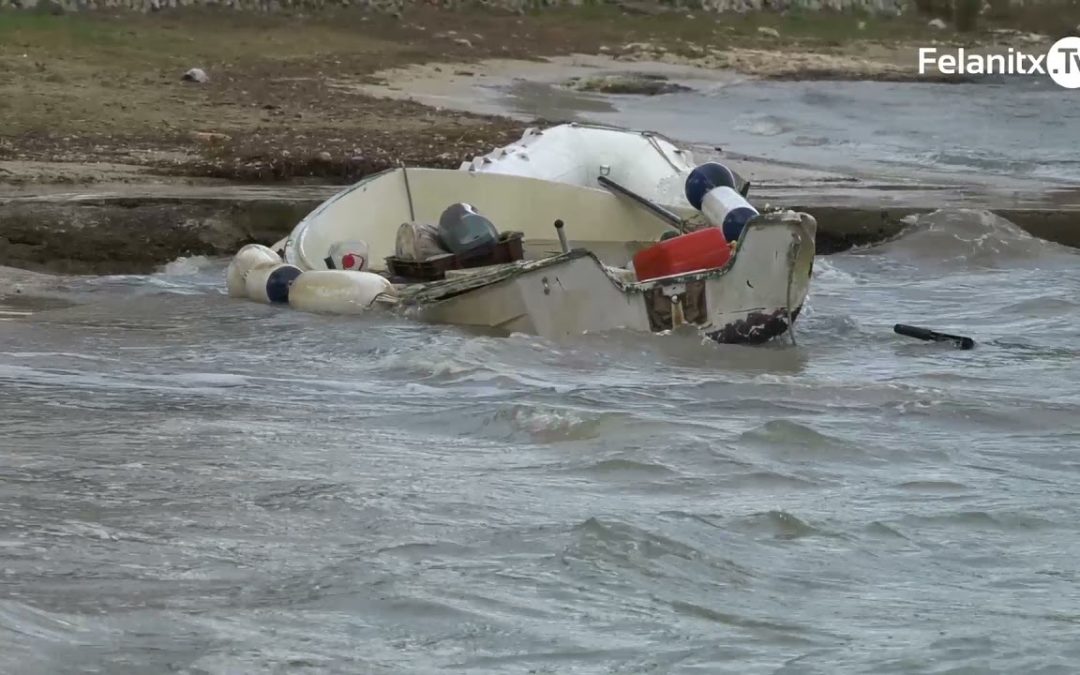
<point x="672" y="218"/>
<point x="562" y="236"/>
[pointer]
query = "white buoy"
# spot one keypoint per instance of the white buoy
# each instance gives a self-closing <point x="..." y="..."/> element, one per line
<point x="270" y="283"/>
<point x="337" y="291"/>
<point x="727" y="209"/>
<point x="245" y="260"/>
<point x="710" y="188"/>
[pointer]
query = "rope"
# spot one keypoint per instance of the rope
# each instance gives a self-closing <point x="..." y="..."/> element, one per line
<point x="787" y="295"/>
<point x="656" y="146"/>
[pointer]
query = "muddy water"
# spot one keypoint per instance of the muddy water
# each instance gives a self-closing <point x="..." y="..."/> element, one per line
<point x="195" y="484"/>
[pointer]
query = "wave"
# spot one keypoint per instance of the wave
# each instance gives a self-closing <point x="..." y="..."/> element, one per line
<point x="765" y="125"/>
<point x="789" y="440"/>
<point x="525" y="423"/>
<point x="776" y="525"/>
<point x="185" y="266"/>
<point x="968" y="237"/>
<point x="619" y="547"/>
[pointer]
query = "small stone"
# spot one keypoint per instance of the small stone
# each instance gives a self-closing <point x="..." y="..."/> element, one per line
<point x="938" y="24"/>
<point x="197" y="75"/>
<point x="861" y="25"/>
<point x="324" y="157"/>
<point x="768" y="32"/>
<point x="210" y="137"/>
<point x="464" y="42"/>
<point x="51" y="7"/>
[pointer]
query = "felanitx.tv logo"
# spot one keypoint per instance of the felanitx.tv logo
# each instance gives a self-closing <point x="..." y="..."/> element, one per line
<point x="1061" y="62"/>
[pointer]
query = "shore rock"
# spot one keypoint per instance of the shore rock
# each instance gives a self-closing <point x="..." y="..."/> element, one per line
<point x="210" y="137"/>
<point x="129" y="236"/>
<point x="395" y="7"/>
<point x="197" y="75"/>
<point x="627" y="83"/>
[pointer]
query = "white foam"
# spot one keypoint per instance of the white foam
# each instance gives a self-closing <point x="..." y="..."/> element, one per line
<point x="186" y="266"/>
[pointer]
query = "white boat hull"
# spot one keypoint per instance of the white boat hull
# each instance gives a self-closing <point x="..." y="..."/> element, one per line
<point x="577" y="154"/>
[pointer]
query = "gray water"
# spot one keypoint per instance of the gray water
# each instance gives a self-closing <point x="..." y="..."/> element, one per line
<point x="191" y="483"/>
<point x="1025" y="128"/>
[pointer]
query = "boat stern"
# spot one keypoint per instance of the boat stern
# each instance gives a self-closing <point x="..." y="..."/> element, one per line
<point x="755" y="297"/>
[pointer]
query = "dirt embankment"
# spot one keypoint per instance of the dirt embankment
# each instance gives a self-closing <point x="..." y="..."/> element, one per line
<point x="98" y="96"/>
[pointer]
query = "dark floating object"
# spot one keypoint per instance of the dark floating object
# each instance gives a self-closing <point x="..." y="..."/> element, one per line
<point x="932" y="336"/>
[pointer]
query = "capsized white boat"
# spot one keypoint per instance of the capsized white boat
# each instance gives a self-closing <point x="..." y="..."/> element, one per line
<point x="554" y="291"/>
<point x="643" y="161"/>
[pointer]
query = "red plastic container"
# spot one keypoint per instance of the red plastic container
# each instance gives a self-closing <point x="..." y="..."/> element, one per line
<point x="701" y="250"/>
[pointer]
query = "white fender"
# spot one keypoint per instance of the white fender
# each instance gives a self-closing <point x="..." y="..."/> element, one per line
<point x="337" y="291"/>
<point x="269" y="283"/>
<point x="727" y="209"/>
<point x="246" y="259"/>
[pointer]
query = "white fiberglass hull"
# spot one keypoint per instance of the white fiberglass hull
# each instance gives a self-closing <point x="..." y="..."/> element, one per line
<point x="576" y="154"/>
<point x="372" y="210"/>
<point x="754" y="298"/>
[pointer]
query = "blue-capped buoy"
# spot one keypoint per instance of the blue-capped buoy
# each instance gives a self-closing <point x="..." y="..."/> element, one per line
<point x="704" y="178"/>
<point x="271" y="283"/>
<point x="710" y="188"/>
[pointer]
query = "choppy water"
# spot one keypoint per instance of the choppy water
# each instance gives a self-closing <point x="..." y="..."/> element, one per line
<point x="195" y="484"/>
<point x="1022" y="127"/>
